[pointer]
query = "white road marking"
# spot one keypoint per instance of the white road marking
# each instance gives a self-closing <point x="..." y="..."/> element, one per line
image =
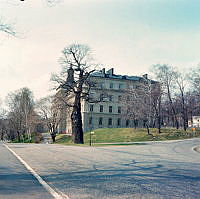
<point x="41" y="181"/>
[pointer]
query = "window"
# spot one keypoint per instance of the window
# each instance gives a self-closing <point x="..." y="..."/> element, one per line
<point x="110" y="121"/>
<point x="101" y="85"/>
<point x="101" y="97"/>
<point x="91" y="95"/>
<point x="119" y="109"/>
<point x="120" y="86"/>
<point x="128" y="109"/>
<point x="118" y="122"/>
<point x="128" y="98"/>
<point x="101" y="108"/>
<point x="137" y="86"/>
<point x="90" y="120"/>
<point x="111" y="85"/>
<point x="127" y="123"/>
<point x="91" y="108"/>
<point x="110" y="109"/>
<point x="100" y="121"/>
<point x="119" y="98"/>
<point x="110" y="98"/>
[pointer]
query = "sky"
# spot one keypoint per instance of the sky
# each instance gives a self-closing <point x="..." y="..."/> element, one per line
<point x="127" y="35"/>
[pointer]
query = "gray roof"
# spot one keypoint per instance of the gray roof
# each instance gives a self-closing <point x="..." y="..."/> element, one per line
<point x="113" y="76"/>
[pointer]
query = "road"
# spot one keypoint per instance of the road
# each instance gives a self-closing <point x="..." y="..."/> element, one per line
<point x="154" y="170"/>
<point x="15" y="181"/>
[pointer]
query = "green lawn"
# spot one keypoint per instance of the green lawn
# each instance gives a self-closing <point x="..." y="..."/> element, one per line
<point x="124" y="135"/>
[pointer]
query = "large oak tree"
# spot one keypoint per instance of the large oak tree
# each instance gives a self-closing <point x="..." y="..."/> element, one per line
<point x="74" y="85"/>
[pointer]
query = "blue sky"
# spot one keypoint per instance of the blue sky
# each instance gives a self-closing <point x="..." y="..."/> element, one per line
<point x="129" y="35"/>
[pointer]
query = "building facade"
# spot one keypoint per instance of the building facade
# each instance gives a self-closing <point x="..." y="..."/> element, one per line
<point x="195" y="122"/>
<point x="108" y="112"/>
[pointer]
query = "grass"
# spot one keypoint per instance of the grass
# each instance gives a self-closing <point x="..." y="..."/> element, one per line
<point x="124" y="136"/>
<point x="63" y="139"/>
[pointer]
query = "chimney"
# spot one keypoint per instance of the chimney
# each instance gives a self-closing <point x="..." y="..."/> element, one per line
<point x="145" y="76"/>
<point x="110" y="71"/>
<point x="103" y="71"/>
<point x="70" y="75"/>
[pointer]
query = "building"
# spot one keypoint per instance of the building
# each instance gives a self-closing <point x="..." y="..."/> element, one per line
<point x="108" y="112"/>
<point x="195" y="122"/>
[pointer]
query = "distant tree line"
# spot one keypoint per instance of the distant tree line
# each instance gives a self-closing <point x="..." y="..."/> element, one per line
<point x="25" y="116"/>
<point x="171" y="100"/>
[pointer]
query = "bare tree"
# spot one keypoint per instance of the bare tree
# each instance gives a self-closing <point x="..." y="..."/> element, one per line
<point x="7" y="28"/>
<point x="21" y="111"/>
<point x="74" y="85"/>
<point x="195" y="79"/>
<point x="3" y="123"/>
<point x="15" y="115"/>
<point x="156" y="101"/>
<point x="166" y="75"/>
<point x="50" y="2"/>
<point x="141" y="103"/>
<point x="49" y="111"/>
<point x="27" y="108"/>
<point x="182" y="82"/>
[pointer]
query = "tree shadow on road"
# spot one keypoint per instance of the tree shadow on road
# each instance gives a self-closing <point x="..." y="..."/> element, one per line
<point x="132" y="180"/>
<point x="15" y="184"/>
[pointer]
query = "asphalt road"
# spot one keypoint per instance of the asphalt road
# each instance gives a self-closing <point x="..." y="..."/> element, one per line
<point x="15" y="181"/>
<point x="167" y="170"/>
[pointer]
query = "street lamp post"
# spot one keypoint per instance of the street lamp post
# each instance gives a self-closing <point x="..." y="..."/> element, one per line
<point x="91" y="133"/>
<point x="91" y="123"/>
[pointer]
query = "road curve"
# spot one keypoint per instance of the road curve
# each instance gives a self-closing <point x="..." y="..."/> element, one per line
<point x="157" y="170"/>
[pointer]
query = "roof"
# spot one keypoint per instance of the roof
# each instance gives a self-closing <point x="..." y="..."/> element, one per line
<point x="110" y="74"/>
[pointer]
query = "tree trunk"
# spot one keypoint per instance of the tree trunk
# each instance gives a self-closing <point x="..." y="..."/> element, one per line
<point x="53" y="136"/>
<point x="159" y="114"/>
<point x="172" y="107"/>
<point x="18" y="136"/>
<point x="135" y="123"/>
<point x="147" y="127"/>
<point x="185" y="120"/>
<point x="175" y="118"/>
<point x="77" y="130"/>
<point x="53" y="132"/>
<point x="159" y="124"/>
<point x="2" y="135"/>
<point x="148" y="131"/>
<point x="184" y="111"/>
